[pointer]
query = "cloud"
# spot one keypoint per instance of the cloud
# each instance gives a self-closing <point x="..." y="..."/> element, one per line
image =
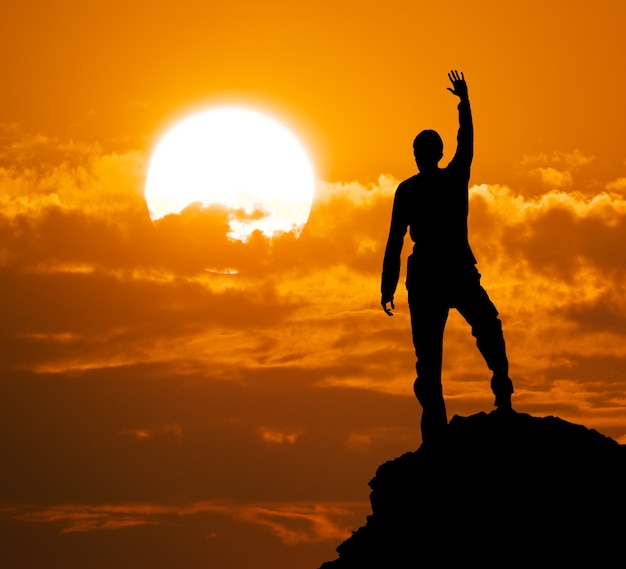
<point x="573" y="159"/>
<point x="276" y="436"/>
<point x="557" y="231"/>
<point x="560" y="171"/>
<point x="38" y="172"/>
<point x="89" y="518"/>
<point x="618" y="185"/>
<point x="303" y="523"/>
<point x="144" y="434"/>
<point x="553" y="178"/>
<point x="89" y="283"/>
<point x="292" y="523"/>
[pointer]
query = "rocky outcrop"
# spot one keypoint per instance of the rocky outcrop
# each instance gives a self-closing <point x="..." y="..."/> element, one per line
<point x="502" y="489"/>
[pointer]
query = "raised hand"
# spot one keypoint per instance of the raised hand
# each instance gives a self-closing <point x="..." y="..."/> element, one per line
<point x="459" y="85"/>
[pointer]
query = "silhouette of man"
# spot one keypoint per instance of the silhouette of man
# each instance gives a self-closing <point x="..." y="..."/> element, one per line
<point x="441" y="271"/>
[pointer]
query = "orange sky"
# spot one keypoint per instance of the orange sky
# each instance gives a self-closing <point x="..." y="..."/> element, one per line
<point x="156" y="414"/>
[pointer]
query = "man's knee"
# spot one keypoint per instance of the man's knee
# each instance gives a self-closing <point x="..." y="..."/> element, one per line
<point x="427" y="391"/>
<point x="487" y="326"/>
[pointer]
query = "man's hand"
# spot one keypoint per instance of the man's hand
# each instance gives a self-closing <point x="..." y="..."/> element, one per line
<point x="384" y="302"/>
<point x="459" y="85"/>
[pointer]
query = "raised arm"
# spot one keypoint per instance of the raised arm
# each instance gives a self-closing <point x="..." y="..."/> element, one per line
<point x="465" y="137"/>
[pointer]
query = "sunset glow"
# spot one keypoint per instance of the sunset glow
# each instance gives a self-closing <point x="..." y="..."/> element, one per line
<point x="236" y="158"/>
<point x="178" y="390"/>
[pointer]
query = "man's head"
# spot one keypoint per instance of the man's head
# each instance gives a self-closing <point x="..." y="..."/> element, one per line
<point x="427" y="149"/>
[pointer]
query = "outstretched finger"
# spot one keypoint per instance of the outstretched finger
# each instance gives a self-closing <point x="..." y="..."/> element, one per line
<point x="454" y="75"/>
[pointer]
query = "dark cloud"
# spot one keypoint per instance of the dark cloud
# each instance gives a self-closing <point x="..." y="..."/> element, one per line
<point x="152" y="433"/>
<point x="602" y="314"/>
<point x="559" y="240"/>
<point x="162" y="538"/>
<point x="55" y="317"/>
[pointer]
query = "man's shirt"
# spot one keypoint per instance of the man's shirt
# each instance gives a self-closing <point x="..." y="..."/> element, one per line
<point x="434" y="207"/>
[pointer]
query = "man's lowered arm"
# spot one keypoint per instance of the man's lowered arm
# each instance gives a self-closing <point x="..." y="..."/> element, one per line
<point x="391" y="262"/>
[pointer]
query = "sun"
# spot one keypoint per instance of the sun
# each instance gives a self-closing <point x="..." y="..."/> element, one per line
<point x="238" y="158"/>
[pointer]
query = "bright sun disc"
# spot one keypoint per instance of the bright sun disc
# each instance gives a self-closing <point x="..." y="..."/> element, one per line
<point x="237" y="158"/>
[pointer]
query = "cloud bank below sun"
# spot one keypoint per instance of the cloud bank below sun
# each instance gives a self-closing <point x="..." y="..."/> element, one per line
<point x="77" y="241"/>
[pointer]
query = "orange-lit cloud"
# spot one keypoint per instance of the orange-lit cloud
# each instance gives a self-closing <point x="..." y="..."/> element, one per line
<point x="89" y="282"/>
<point x="291" y="523"/>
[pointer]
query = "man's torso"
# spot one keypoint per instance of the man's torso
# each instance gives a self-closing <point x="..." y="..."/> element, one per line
<point x="436" y="208"/>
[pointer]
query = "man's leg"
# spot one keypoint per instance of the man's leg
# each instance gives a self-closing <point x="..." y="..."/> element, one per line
<point x="476" y="307"/>
<point x="428" y="320"/>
